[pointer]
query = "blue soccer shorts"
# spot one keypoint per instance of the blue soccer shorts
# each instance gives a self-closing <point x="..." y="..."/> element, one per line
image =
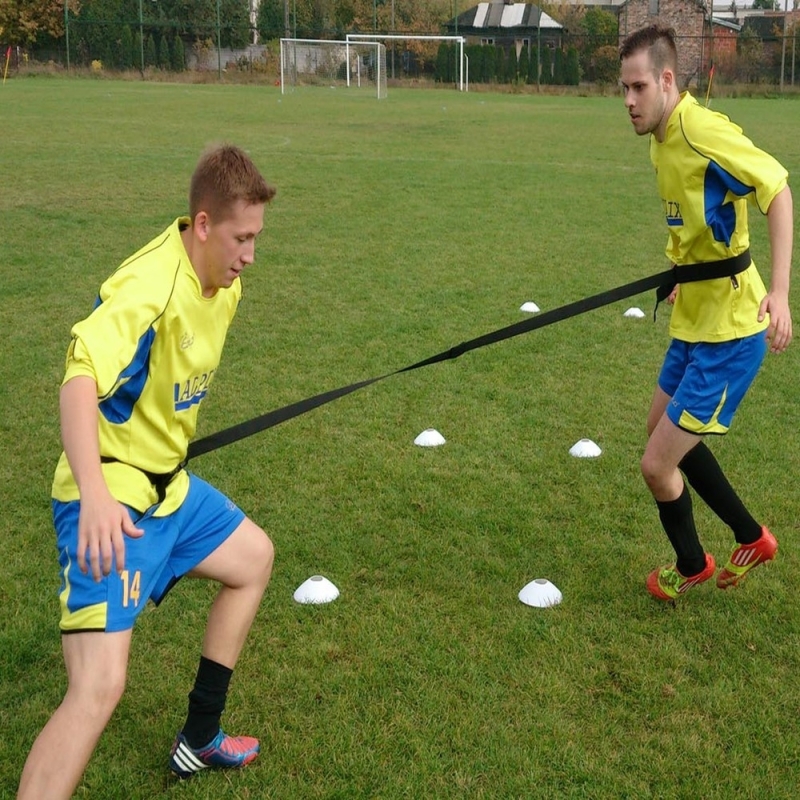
<point x="170" y="547"/>
<point x="707" y="381"/>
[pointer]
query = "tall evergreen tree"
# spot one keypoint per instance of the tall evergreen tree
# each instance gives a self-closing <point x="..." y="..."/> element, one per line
<point x="126" y="48"/>
<point x="499" y="64"/>
<point x="150" y="51"/>
<point x="572" y="76"/>
<point x="512" y="65"/>
<point x="533" y="65"/>
<point x="270" y="20"/>
<point x="178" y="55"/>
<point x="547" y="65"/>
<point x="558" y="67"/>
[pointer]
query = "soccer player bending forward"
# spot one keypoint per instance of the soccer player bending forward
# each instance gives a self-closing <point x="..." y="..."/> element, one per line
<point x="130" y="520"/>
<point x="721" y="326"/>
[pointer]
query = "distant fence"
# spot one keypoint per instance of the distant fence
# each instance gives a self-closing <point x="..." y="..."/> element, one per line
<point x="746" y="56"/>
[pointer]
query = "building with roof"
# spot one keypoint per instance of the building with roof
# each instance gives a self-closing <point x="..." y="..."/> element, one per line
<point x="687" y="17"/>
<point x="505" y="24"/>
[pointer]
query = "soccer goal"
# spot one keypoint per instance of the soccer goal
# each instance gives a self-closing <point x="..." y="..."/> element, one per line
<point x="354" y="38"/>
<point x="335" y="63"/>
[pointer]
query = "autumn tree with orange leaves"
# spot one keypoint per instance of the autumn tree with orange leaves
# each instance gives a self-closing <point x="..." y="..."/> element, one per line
<point x="22" y="21"/>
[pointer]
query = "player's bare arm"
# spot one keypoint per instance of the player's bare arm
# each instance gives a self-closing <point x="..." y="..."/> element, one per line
<point x="776" y="303"/>
<point x="103" y="520"/>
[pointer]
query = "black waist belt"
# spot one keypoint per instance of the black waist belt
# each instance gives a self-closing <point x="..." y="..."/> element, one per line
<point x="691" y="273"/>
<point x="160" y="480"/>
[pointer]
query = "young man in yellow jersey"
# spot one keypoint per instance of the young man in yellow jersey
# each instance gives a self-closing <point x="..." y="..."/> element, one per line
<point x="722" y="327"/>
<point x="130" y="520"/>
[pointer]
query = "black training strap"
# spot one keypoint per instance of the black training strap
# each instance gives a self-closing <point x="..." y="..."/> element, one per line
<point x="690" y="273"/>
<point x="663" y="282"/>
<point x="159" y="480"/>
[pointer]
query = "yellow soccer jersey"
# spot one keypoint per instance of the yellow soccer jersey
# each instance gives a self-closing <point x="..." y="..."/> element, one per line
<point x="152" y="344"/>
<point x="707" y="170"/>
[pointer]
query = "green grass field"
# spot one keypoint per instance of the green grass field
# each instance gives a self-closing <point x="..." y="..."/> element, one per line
<point x="401" y="228"/>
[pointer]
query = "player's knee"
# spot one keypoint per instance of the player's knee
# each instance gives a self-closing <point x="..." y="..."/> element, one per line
<point x="100" y="695"/>
<point x="263" y="555"/>
<point x="651" y="471"/>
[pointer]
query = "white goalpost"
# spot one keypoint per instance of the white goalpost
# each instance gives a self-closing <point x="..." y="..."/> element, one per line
<point x="334" y="63"/>
<point x="354" y="38"/>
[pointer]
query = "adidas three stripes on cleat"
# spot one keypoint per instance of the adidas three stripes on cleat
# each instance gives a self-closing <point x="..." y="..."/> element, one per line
<point x="222" y="751"/>
<point x="745" y="557"/>
<point x="666" y="583"/>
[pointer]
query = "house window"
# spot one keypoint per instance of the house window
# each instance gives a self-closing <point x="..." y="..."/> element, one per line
<point x="488" y="40"/>
<point x="653" y="8"/>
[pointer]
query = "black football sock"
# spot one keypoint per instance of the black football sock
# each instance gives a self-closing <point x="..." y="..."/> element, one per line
<point x="678" y="521"/>
<point x="706" y="477"/>
<point x="206" y="702"/>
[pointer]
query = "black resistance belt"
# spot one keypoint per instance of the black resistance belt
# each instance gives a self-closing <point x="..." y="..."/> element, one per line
<point x="160" y="480"/>
<point x="663" y="282"/>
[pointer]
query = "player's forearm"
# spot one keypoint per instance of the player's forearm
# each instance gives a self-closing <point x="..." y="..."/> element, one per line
<point x="780" y="222"/>
<point x="79" y="432"/>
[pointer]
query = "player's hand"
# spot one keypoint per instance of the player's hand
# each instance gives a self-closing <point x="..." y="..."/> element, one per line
<point x="673" y="295"/>
<point x="102" y="526"/>
<point x="779" y="332"/>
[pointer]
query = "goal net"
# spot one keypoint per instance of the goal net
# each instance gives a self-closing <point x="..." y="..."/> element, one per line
<point x="408" y="41"/>
<point x="323" y="62"/>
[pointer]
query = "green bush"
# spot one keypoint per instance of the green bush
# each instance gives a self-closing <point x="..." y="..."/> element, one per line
<point x="606" y="64"/>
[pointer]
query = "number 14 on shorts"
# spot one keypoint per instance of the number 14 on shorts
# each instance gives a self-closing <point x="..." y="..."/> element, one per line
<point x="131" y="587"/>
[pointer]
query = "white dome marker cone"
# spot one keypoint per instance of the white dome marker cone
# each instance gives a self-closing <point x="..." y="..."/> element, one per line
<point x="430" y="437"/>
<point x="585" y="448"/>
<point x="540" y="593"/>
<point x="634" y="312"/>
<point x="317" y="589"/>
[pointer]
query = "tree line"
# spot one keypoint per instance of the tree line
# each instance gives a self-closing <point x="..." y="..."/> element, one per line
<point x="125" y="34"/>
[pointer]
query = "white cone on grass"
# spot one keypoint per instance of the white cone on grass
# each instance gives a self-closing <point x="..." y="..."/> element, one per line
<point x="530" y="307"/>
<point x="317" y="589"/>
<point x="585" y="448"/>
<point x="430" y="437"/>
<point x="634" y="312"/>
<point x="540" y="593"/>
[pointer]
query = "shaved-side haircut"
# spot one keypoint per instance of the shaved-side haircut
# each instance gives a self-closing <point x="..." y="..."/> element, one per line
<point x="659" y="41"/>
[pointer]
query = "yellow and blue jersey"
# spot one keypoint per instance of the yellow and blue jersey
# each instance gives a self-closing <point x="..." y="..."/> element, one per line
<point x="707" y="171"/>
<point x="152" y="344"/>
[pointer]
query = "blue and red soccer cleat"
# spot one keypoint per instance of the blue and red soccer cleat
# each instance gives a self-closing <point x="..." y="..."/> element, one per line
<point x="222" y="751"/>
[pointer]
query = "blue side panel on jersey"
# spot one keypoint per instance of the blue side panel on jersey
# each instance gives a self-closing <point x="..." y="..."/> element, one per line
<point x="118" y="408"/>
<point x="721" y="217"/>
